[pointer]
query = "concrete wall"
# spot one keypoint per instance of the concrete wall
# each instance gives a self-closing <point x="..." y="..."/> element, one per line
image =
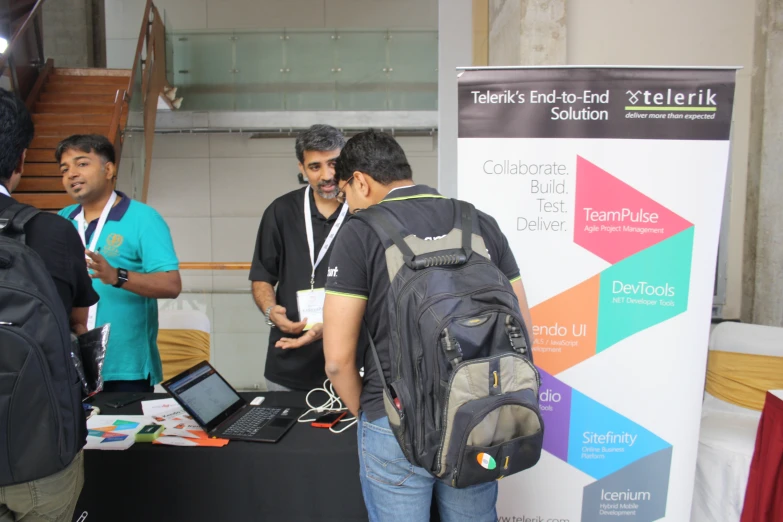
<point x="455" y="49"/>
<point x="123" y="17"/>
<point x="527" y="33"/>
<point x="765" y="204"/>
<point x="68" y="32"/>
<point x="212" y="190"/>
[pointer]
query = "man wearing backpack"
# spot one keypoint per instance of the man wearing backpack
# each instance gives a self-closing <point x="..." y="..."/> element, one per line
<point x="372" y="169"/>
<point x="42" y="472"/>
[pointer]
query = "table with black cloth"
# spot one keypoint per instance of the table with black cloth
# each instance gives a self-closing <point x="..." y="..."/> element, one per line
<point x="311" y="474"/>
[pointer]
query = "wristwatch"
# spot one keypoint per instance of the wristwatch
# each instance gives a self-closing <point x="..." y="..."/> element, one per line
<point x="267" y="313"/>
<point x="122" y="277"/>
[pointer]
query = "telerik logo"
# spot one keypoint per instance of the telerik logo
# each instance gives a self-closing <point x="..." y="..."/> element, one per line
<point x="633" y="97"/>
<point x="702" y="98"/>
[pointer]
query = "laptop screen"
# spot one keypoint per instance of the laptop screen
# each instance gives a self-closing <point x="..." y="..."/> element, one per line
<point x="205" y="394"/>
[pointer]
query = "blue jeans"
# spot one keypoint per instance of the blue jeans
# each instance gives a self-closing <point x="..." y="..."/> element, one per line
<point x="396" y="490"/>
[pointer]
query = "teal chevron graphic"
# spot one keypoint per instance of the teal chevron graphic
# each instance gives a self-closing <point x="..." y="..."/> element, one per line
<point x="644" y="289"/>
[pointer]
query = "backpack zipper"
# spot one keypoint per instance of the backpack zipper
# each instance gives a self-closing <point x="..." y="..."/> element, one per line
<point x="47" y="378"/>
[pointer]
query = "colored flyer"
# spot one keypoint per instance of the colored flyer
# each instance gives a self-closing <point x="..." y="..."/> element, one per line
<point x="110" y="432"/>
<point x="609" y="185"/>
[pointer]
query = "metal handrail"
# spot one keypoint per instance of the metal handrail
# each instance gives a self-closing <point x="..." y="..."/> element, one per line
<point x="150" y="63"/>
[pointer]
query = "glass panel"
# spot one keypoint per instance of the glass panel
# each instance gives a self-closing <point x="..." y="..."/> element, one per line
<point x="362" y="80"/>
<point x="170" y="37"/>
<point x="260" y="84"/>
<point x="130" y="178"/>
<point x="413" y="59"/>
<point x="203" y="70"/>
<point x="305" y="70"/>
<point x="308" y="64"/>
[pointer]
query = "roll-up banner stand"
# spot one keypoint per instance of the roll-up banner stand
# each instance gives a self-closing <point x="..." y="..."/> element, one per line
<point x="609" y="184"/>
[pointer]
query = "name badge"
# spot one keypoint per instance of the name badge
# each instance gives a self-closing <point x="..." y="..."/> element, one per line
<point x="311" y="306"/>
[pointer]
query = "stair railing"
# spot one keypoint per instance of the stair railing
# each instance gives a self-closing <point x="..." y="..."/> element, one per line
<point x="140" y="98"/>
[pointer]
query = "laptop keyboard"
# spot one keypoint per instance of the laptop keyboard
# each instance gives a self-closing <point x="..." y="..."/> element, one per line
<point x="252" y="421"/>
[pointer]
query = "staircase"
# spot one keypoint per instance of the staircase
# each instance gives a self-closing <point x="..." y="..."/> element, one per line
<point x="69" y="101"/>
<point x="64" y="102"/>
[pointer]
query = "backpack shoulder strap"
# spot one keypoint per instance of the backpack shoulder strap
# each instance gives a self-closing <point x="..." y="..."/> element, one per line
<point x="468" y="222"/>
<point x="385" y="225"/>
<point x="381" y="221"/>
<point x="14" y="218"/>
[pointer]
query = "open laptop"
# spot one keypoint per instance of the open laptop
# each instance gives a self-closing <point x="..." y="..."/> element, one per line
<point x="219" y="409"/>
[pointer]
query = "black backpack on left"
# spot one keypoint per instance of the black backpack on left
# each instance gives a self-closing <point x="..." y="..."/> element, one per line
<point x="40" y="392"/>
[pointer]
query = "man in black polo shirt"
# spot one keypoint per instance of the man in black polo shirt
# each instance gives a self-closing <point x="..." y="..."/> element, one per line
<point x="58" y="244"/>
<point x="372" y="169"/>
<point x="292" y="251"/>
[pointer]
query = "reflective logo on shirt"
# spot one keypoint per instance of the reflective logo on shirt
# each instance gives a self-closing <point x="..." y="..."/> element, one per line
<point x="112" y="247"/>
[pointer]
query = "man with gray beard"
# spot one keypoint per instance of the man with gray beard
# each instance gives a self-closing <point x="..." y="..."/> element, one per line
<point x="292" y="252"/>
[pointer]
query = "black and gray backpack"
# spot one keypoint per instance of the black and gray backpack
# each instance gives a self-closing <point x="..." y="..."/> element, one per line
<point x="40" y="392"/>
<point x="463" y="396"/>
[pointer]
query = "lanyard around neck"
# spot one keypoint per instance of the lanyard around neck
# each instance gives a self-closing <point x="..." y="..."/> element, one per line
<point x="82" y="222"/>
<point x="314" y="262"/>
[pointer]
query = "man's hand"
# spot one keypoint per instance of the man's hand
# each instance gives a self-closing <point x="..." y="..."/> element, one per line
<point x="79" y="329"/>
<point x="312" y="335"/>
<point x="278" y="317"/>
<point x="101" y="269"/>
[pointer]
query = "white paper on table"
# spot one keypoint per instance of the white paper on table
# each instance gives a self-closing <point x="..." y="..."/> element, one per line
<point x="175" y="441"/>
<point x="163" y="409"/>
<point x="180" y="428"/>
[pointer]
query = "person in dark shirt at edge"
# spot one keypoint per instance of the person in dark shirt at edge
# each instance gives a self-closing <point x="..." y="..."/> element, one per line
<point x="292" y="249"/>
<point x="55" y="240"/>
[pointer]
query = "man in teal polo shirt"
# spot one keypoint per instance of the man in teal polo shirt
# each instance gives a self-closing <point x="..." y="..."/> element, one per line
<point x="131" y="259"/>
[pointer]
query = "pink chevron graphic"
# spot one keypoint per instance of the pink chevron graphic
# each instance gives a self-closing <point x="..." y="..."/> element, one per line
<point x="614" y="220"/>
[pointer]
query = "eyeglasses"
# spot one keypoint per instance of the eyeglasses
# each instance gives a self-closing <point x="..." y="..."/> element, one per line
<point x="341" y="193"/>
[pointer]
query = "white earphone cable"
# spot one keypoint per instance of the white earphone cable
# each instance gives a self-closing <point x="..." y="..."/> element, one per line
<point x="332" y="404"/>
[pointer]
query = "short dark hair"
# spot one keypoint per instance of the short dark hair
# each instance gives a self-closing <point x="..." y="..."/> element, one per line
<point x="375" y="153"/>
<point x="318" y="137"/>
<point x="16" y="132"/>
<point x="96" y="143"/>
